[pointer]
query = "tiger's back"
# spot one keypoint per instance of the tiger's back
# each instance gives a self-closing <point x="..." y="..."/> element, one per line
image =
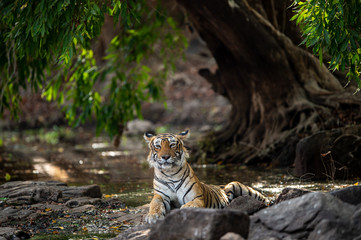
<point x="215" y="196"/>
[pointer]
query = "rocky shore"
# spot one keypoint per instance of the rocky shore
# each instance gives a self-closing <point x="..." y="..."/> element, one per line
<point x="53" y="210"/>
<point x="296" y="214"/>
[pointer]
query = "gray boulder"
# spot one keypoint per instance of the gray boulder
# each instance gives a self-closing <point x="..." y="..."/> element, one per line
<point x="307" y="217"/>
<point x="135" y="233"/>
<point x="350" y="195"/>
<point x="289" y="193"/>
<point x="30" y="192"/>
<point x="139" y="127"/>
<point x="8" y="233"/>
<point x="200" y="223"/>
<point x="330" y="154"/>
<point x="231" y="236"/>
<point x="246" y="204"/>
<point x="92" y="191"/>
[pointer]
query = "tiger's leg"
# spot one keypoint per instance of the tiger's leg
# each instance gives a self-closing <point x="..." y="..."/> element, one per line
<point x="236" y="189"/>
<point x="157" y="209"/>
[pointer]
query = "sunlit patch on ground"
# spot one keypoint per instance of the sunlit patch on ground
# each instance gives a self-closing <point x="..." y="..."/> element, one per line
<point x="44" y="168"/>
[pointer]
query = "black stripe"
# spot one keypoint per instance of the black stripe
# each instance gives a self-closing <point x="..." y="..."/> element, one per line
<point x="176" y="172"/>
<point x="165" y="207"/>
<point x="207" y="197"/>
<point x="164" y="174"/>
<point x="172" y="174"/>
<point x="162" y="193"/>
<point x="184" y="177"/>
<point x="163" y="182"/>
<point x="197" y="197"/>
<point x="240" y="191"/>
<point x="230" y="191"/>
<point x="249" y="191"/>
<point x="165" y="200"/>
<point x="217" y="193"/>
<point x="189" y="189"/>
<point x="210" y="200"/>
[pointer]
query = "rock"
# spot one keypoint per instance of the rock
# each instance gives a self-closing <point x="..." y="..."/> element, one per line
<point x="139" y="235"/>
<point x="6" y="213"/>
<point x="49" y="207"/>
<point x="139" y="127"/>
<point x="350" y="195"/>
<point x="81" y="201"/>
<point x="20" y="215"/>
<point x="200" y="223"/>
<point x="92" y="191"/>
<point x="246" y="204"/>
<point x="231" y="236"/>
<point x="304" y="217"/>
<point x="330" y="154"/>
<point x="136" y="218"/>
<point x="81" y="209"/>
<point x="329" y="229"/>
<point x="30" y="192"/>
<point x="25" y="184"/>
<point x="346" y="152"/>
<point x="43" y="194"/>
<point x="132" y="217"/>
<point x="135" y="233"/>
<point x="308" y="159"/>
<point x="111" y="203"/>
<point x="96" y="214"/>
<point x="289" y="193"/>
<point x="12" y="233"/>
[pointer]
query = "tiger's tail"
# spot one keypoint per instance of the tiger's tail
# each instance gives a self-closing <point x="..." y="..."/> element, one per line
<point x="236" y="189"/>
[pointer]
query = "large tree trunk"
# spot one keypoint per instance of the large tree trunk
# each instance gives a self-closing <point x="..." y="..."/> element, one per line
<point x="278" y="91"/>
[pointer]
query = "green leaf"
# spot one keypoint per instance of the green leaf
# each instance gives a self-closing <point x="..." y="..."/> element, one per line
<point x="7" y="177"/>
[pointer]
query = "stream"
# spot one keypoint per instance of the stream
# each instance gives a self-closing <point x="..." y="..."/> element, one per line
<point x="80" y="158"/>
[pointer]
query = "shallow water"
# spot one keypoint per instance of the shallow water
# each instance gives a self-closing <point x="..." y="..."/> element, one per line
<point x="79" y="158"/>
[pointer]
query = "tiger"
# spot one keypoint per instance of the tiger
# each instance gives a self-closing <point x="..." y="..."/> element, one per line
<point x="175" y="183"/>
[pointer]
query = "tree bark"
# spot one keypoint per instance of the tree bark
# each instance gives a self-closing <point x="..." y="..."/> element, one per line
<point x="279" y="92"/>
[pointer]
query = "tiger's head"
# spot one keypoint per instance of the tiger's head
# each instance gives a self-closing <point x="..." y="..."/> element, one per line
<point x="167" y="150"/>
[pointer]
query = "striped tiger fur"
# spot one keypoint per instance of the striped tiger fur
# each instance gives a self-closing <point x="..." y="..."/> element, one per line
<point x="176" y="185"/>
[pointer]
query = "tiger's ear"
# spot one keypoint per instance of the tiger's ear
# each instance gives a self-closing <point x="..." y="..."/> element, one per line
<point x="148" y="137"/>
<point x="184" y="134"/>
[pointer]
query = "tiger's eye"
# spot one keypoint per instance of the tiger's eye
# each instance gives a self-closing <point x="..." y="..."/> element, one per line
<point x="157" y="146"/>
<point x="172" y="145"/>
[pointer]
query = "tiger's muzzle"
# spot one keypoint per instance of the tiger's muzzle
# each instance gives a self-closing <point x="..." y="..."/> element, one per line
<point x="166" y="162"/>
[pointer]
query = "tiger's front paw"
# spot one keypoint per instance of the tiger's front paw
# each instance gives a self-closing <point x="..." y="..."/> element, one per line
<point x="153" y="217"/>
<point x="193" y="204"/>
<point x="188" y="206"/>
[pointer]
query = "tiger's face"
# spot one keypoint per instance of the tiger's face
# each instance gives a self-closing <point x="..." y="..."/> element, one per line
<point x="166" y="150"/>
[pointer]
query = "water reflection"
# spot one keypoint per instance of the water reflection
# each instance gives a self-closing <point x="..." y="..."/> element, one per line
<point x="115" y="153"/>
<point x="100" y="145"/>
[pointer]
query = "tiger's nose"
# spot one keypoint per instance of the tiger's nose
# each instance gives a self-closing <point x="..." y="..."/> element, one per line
<point x="165" y="157"/>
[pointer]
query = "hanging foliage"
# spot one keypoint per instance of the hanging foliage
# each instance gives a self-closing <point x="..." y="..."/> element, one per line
<point x="46" y="46"/>
<point x="333" y="27"/>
